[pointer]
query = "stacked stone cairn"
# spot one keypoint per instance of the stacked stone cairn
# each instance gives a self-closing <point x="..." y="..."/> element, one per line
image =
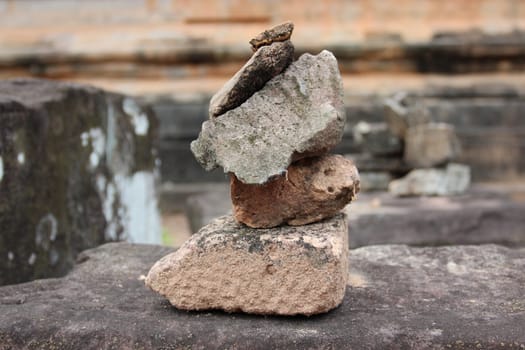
<point x="285" y="248"/>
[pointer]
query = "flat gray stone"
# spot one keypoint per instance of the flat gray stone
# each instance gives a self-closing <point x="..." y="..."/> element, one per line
<point x="296" y="114"/>
<point x="452" y="180"/>
<point x="265" y="63"/>
<point x="397" y="297"/>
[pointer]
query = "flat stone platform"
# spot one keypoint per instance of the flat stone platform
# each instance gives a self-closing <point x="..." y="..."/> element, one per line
<point x="398" y="297"/>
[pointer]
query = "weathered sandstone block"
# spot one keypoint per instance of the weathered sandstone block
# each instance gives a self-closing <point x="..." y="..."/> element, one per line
<point x="312" y="189"/>
<point x="285" y="271"/>
<point x="297" y="114"/>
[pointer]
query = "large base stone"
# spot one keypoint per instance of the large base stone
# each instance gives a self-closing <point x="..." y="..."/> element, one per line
<point x="285" y="271"/>
<point x="397" y="298"/>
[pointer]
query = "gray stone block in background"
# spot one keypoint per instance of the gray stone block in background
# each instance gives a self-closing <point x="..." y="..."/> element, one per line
<point x="430" y="145"/>
<point x="397" y="297"/>
<point x="374" y="181"/>
<point x="482" y="215"/>
<point x="451" y="180"/>
<point x="377" y="139"/>
<point x="77" y="170"/>
<point x="402" y="112"/>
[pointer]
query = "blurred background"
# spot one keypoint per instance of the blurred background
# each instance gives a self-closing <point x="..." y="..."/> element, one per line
<point x="462" y="60"/>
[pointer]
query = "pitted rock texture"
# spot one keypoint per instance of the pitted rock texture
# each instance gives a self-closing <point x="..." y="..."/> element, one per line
<point x="264" y="64"/>
<point x="452" y="180"/>
<point x="297" y="114"/>
<point x="311" y="190"/>
<point x="431" y="144"/>
<point x="282" y="271"/>
<point x="397" y="297"/>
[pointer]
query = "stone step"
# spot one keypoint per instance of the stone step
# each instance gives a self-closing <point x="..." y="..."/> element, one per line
<point x="483" y="215"/>
<point x="398" y="297"/>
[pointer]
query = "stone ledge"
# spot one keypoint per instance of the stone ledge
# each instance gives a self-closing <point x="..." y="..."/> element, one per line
<point x="485" y="214"/>
<point x="398" y="297"/>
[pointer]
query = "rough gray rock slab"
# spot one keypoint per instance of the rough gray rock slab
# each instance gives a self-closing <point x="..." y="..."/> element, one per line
<point x="264" y="64"/>
<point x="452" y="180"/>
<point x="397" y="298"/>
<point x="76" y="170"/>
<point x="296" y="114"/>
<point x="281" y="271"/>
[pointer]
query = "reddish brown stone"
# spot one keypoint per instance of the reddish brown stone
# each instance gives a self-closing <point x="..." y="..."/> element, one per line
<point x="312" y="189"/>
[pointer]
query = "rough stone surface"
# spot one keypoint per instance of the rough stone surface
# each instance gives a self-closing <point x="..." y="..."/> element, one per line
<point x="397" y="298"/>
<point x="452" y="180"/>
<point x="311" y="190"/>
<point x="431" y="144"/>
<point x="265" y="64"/>
<point x="283" y="271"/>
<point x="77" y="170"/>
<point x="305" y="101"/>
<point x="480" y="216"/>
